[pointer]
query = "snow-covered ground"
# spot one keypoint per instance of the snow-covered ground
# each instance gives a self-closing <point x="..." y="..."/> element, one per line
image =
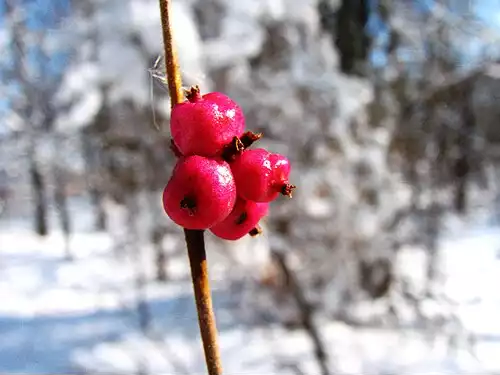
<point x="81" y="316"/>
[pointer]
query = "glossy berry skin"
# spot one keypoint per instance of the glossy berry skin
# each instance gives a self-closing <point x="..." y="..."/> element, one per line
<point x="200" y="193"/>
<point x="203" y="125"/>
<point x="243" y="218"/>
<point x="261" y="176"/>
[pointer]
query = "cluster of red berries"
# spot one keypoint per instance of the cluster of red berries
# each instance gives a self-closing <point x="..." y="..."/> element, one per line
<point x="218" y="183"/>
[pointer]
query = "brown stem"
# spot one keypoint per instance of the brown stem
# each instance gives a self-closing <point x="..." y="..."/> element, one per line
<point x="194" y="238"/>
<point x="171" y="62"/>
<point x="201" y="284"/>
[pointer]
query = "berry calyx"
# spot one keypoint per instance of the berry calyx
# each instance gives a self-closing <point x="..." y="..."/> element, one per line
<point x="193" y="94"/>
<point x="200" y="193"/>
<point x="238" y="145"/>
<point x="231" y="150"/>
<point x="281" y="167"/>
<point x="243" y="218"/>
<point x="204" y="124"/>
<point x="261" y="176"/>
<point x="248" y="138"/>
<point x="257" y="230"/>
<point x="287" y="190"/>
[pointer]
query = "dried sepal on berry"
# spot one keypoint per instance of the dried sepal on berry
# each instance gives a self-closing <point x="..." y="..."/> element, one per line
<point x="231" y="150"/>
<point x="255" y="231"/>
<point x="249" y="138"/>
<point x="287" y="190"/>
<point x="238" y="145"/>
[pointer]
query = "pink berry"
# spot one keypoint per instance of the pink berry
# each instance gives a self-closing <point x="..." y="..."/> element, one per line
<point x="203" y="125"/>
<point x="200" y="193"/>
<point x="261" y="176"/>
<point x="244" y="217"/>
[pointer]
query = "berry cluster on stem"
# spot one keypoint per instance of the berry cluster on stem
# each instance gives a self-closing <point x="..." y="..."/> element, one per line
<point x="218" y="183"/>
<point x="209" y="208"/>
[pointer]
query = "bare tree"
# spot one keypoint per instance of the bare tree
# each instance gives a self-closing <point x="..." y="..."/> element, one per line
<point x="351" y="37"/>
<point x="27" y="105"/>
<point x="47" y="88"/>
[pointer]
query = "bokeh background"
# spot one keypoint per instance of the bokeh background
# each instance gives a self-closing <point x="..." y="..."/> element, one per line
<point x="386" y="260"/>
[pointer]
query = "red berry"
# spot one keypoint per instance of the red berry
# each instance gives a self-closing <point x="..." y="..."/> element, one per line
<point x="261" y="176"/>
<point x="242" y="219"/>
<point x="203" y="125"/>
<point x="200" y="193"/>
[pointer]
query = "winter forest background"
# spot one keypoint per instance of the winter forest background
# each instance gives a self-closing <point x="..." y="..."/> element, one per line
<point x="386" y="260"/>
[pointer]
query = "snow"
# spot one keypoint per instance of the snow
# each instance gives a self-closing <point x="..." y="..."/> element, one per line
<point x="81" y="315"/>
<point x="80" y="87"/>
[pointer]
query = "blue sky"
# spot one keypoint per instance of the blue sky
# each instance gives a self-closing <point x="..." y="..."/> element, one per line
<point x="486" y="11"/>
<point x="489" y="10"/>
<point x="41" y="14"/>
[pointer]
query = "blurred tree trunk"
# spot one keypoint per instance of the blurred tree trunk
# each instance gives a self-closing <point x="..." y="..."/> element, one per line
<point x="97" y="198"/>
<point x="151" y="163"/>
<point x="39" y="194"/>
<point x="91" y="137"/>
<point x="60" y="197"/>
<point x="61" y="203"/>
<point x="92" y="159"/>
<point x="351" y="37"/>
<point x="160" y="256"/>
<point x="306" y="311"/>
<point x="25" y="106"/>
<point x="462" y="166"/>
<point x="37" y="85"/>
<point x="432" y="227"/>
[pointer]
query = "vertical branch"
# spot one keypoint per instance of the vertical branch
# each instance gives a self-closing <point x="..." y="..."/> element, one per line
<point x="201" y="285"/>
<point x="21" y="79"/>
<point x="462" y="167"/>
<point x="39" y="193"/>
<point x="305" y="310"/>
<point x="171" y="60"/>
<point x="60" y="195"/>
<point x="194" y="238"/>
